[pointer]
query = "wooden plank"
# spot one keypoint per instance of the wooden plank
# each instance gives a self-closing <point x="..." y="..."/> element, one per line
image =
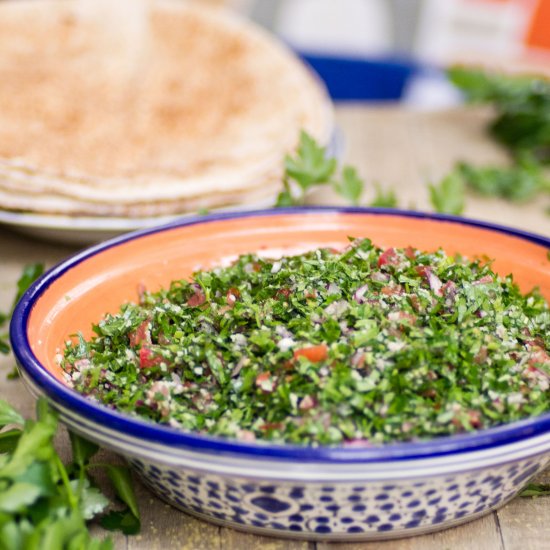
<point x="525" y="522"/>
<point x="235" y="540"/>
<point x="482" y="533"/>
<point x="164" y="527"/>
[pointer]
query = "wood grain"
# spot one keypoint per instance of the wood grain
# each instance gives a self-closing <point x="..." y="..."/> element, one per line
<point x="482" y="533"/>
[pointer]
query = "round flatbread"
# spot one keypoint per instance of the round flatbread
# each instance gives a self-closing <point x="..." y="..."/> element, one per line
<point x="198" y="107"/>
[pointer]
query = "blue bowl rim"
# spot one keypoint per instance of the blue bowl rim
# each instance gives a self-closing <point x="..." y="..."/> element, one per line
<point x="67" y="398"/>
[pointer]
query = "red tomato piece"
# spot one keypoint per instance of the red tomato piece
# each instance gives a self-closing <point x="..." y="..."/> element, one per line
<point x="198" y="298"/>
<point x="315" y="354"/>
<point x="389" y="257"/>
<point x="141" y="335"/>
<point x="148" y="358"/>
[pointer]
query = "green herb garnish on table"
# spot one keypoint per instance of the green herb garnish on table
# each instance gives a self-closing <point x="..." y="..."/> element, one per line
<point x="522" y="105"/>
<point x="312" y="167"/>
<point x="384" y="198"/>
<point x="448" y="197"/>
<point x="30" y="273"/>
<point x="519" y="182"/>
<point x="521" y="124"/>
<point x="44" y="503"/>
<point x="535" y="490"/>
<point x="360" y="346"/>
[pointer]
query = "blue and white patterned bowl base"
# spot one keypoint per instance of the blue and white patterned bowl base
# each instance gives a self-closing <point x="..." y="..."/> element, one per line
<point x="362" y="510"/>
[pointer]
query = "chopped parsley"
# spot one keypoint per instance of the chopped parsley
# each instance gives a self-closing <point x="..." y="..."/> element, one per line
<point x="356" y="347"/>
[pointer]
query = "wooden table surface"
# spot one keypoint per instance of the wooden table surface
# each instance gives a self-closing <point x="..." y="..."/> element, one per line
<point x="399" y="149"/>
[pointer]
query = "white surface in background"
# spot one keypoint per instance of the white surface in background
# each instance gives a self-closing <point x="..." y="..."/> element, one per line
<point x="342" y="27"/>
<point x="449" y="28"/>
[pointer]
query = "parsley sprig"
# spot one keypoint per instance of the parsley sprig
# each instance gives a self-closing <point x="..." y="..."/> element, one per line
<point x="522" y="105"/>
<point x="536" y="490"/>
<point x="44" y="503"/>
<point x="384" y="198"/>
<point x="521" y="124"/>
<point x="448" y="197"/>
<point x="312" y="167"/>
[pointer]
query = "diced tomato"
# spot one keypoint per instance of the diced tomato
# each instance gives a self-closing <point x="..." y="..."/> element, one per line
<point x="141" y="290"/>
<point x="358" y="359"/>
<point x="392" y="290"/>
<point x="232" y="295"/>
<point x="486" y="279"/>
<point x="197" y="298"/>
<point x="315" y="354"/>
<point x="265" y="382"/>
<point x="271" y="426"/>
<point x="449" y="289"/>
<point x="475" y="418"/>
<point x="388" y="257"/>
<point x="307" y="403"/>
<point x="148" y="358"/>
<point x="141" y="335"/>
<point x="410" y="252"/>
<point x="415" y="302"/>
<point x="431" y="278"/>
<point x="539" y="357"/>
<point x="262" y="377"/>
<point x="284" y="292"/>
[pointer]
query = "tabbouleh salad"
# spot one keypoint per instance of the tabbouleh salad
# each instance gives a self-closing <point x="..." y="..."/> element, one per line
<point x="353" y="347"/>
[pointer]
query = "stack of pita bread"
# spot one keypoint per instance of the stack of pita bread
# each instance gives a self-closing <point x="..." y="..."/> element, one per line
<point x="196" y="112"/>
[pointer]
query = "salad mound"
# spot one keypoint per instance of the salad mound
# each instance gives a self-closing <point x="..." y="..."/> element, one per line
<point x="355" y="347"/>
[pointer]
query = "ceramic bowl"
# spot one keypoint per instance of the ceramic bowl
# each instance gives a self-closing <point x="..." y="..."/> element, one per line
<point x="314" y="493"/>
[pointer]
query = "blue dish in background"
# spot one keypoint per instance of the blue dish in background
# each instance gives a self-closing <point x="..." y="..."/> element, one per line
<point x="363" y="79"/>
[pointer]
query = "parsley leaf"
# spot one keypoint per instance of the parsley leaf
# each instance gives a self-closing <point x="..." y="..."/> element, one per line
<point x="384" y="199"/>
<point x="8" y="415"/>
<point x="30" y="274"/>
<point x="350" y="186"/>
<point x="124" y="521"/>
<point x="448" y="196"/>
<point x="83" y="450"/>
<point x="122" y="482"/>
<point x="521" y="124"/>
<point x="310" y="167"/>
<point x="44" y="501"/>
<point x="535" y="490"/>
<point x="519" y="183"/>
<point x="92" y="500"/>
